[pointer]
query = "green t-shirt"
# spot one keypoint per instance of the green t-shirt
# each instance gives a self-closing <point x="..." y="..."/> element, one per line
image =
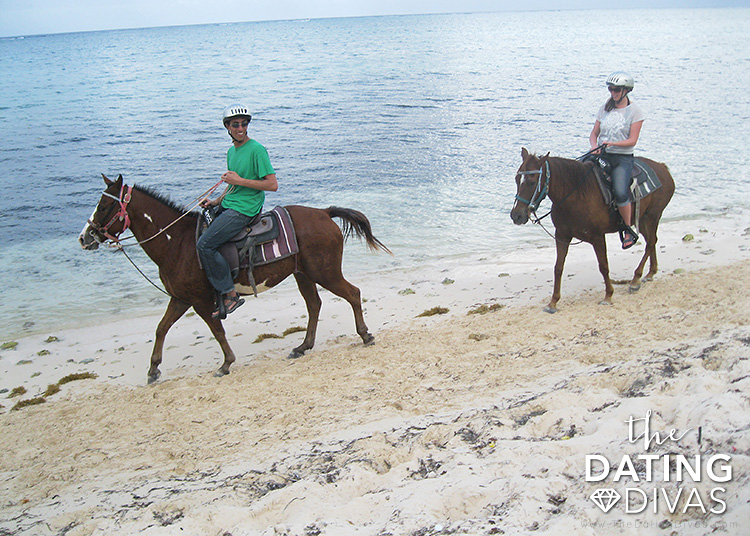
<point x="249" y="161"/>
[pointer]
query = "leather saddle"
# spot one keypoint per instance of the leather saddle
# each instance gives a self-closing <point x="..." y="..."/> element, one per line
<point x="241" y="250"/>
<point x="643" y="180"/>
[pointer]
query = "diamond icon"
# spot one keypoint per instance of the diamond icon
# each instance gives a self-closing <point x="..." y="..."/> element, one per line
<point x="605" y="499"/>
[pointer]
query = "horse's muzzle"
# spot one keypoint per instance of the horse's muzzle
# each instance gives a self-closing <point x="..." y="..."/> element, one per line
<point x="88" y="242"/>
<point x="519" y="215"/>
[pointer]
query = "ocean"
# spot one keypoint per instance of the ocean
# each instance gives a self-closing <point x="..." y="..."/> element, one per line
<point x="417" y="121"/>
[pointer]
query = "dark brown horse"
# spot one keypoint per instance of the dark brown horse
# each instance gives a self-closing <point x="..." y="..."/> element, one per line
<point x="169" y="241"/>
<point x="579" y="211"/>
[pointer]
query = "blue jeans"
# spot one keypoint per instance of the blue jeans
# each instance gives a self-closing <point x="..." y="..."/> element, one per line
<point x="622" y="173"/>
<point x="226" y="224"/>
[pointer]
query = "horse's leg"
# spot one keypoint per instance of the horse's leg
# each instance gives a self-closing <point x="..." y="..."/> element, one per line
<point x="650" y="251"/>
<point x="562" y="245"/>
<point x="217" y="330"/>
<point x="600" y="248"/>
<point x="652" y="240"/>
<point x="649" y="233"/>
<point x="312" y="300"/>
<point x="175" y="309"/>
<point x="342" y="288"/>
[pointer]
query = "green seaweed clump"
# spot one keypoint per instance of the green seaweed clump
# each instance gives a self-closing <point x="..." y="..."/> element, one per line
<point x="264" y="336"/>
<point x="434" y="311"/>
<point x="484" y="309"/>
<point x="17" y="391"/>
<point x="52" y="389"/>
<point x="30" y="402"/>
<point x="294" y="329"/>
<point x="77" y="376"/>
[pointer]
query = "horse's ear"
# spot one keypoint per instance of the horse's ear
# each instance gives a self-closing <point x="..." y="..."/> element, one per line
<point x="524" y="153"/>
<point x="546" y="155"/>
<point x="106" y="180"/>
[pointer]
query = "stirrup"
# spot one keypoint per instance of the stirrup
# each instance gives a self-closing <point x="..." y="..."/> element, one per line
<point x="628" y="237"/>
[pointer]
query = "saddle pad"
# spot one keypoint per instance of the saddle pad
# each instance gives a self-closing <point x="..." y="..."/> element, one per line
<point x="647" y="179"/>
<point x="645" y="182"/>
<point x="284" y="245"/>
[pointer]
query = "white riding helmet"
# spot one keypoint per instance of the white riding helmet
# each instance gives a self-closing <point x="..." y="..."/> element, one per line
<point x="620" y="79"/>
<point x="235" y="110"/>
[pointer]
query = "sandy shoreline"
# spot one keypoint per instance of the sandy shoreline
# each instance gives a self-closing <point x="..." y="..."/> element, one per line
<point x="453" y="424"/>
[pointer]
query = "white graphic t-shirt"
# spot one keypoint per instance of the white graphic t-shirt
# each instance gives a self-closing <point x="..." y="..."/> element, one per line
<point x="615" y="126"/>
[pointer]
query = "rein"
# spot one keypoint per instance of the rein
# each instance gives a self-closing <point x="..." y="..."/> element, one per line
<point x="124" y="200"/>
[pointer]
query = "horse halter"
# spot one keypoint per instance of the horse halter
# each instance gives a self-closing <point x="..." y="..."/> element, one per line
<point x="120" y="215"/>
<point x="542" y="186"/>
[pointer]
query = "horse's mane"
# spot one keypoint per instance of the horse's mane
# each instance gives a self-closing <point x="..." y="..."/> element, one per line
<point x="164" y="200"/>
<point x="570" y="170"/>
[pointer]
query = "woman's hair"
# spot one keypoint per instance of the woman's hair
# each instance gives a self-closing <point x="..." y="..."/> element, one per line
<point x="610" y="105"/>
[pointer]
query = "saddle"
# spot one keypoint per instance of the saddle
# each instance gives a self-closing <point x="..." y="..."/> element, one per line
<point x="643" y="182"/>
<point x="268" y="237"/>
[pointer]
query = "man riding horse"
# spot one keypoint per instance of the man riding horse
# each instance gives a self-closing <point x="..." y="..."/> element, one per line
<point x="249" y="176"/>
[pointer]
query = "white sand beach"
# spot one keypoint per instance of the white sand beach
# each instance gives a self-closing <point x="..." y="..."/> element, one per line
<point x="456" y="423"/>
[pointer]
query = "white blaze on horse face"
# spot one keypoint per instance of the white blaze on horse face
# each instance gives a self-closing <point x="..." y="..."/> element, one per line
<point x="525" y="180"/>
<point x="86" y="228"/>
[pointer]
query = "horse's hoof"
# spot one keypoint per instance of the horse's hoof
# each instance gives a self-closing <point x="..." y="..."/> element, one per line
<point x="220" y="373"/>
<point x="369" y="340"/>
<point x="634" y="288"/>
<point x="605" y="302"/>
<point x="550" y="310"/>
<point x="153" y="377"/>
<point x="295" y="354"/>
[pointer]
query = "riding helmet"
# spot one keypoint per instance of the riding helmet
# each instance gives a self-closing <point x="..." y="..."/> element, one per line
<point x="620" y="79"/>
<point x="235" y="110"/>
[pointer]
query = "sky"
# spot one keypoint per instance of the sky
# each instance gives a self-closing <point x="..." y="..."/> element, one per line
<point x="31" y="17"/>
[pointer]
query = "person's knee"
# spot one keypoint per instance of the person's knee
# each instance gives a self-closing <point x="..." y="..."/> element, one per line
<point x="204" y="245"/>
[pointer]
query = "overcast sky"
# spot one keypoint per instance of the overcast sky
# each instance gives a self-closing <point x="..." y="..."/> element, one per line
<point x="29" y="17"/>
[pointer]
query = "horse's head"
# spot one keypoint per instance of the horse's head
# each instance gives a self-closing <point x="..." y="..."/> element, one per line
<point x="109" y="218"/>
<point x="532" y="181"/>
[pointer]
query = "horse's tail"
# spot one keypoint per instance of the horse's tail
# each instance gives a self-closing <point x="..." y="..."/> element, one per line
<point x="354" y="222"/>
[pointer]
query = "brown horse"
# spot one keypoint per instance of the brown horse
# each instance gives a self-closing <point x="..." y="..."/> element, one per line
<point x="169" y="240"/>
<point x="579" y="211"/>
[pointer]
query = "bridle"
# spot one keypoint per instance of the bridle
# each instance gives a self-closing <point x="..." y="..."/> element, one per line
<point x="121" y="215"/>
<point x="541" y="191"/>
<point x="542" y="186"/>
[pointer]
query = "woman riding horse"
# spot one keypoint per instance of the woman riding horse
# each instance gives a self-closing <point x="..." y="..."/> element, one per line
<point x="617" y="127"/>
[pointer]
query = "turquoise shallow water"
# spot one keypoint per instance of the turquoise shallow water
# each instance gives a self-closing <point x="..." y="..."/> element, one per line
<point x="418" y="121"/>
